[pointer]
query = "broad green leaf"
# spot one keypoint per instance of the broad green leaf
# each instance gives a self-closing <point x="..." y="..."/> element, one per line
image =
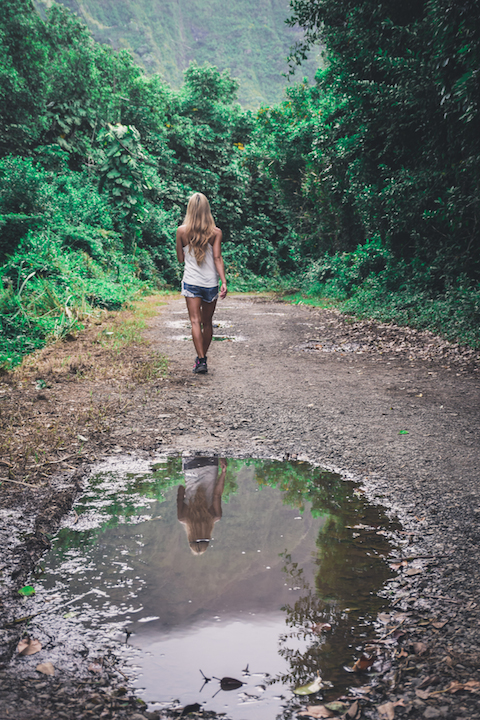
<point x="27" y="591"/>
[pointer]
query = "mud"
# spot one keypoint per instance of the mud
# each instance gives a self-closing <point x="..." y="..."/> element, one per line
<point x="395" y="409"/>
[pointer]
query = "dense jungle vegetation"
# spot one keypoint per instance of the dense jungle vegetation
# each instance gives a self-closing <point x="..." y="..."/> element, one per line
<point x="362" y="187"/>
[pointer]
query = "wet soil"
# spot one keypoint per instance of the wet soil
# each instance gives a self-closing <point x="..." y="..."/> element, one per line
<point x="394" y="408"/>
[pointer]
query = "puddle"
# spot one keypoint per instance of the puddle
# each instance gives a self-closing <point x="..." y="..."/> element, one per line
<point x="230" y="338"/>
<point x="185" y="324"/>
<point x="228" y="577"/>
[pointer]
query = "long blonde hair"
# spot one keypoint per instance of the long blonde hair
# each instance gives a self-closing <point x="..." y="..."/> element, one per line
<point x="198" y="522"/>
<point x="199" y="225"/>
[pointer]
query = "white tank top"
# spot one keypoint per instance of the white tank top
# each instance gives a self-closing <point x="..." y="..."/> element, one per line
<point x="204" y="275"/>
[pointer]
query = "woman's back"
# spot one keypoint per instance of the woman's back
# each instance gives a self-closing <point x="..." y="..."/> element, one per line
<point x="204" y="275"/>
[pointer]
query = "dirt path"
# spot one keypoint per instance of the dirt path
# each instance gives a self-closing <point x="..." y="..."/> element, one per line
<point x="395" y="408"/>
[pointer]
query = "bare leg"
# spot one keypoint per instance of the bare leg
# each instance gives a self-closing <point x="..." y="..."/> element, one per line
<point x="207" y="310"/>
<point x="194" y="310"/>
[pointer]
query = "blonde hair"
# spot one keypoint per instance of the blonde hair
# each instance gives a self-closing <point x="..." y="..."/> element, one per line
<point x="198" y="522"/>
<point x="199" y="225"/>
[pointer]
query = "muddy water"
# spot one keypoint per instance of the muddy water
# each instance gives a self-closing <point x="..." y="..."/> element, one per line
<point x="216" y="568"/>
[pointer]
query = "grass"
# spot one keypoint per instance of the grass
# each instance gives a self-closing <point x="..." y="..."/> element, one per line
<point x="72" y="389"/>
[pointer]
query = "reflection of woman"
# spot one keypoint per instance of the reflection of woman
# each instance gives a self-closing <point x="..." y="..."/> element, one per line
<point x="199" y="502"/>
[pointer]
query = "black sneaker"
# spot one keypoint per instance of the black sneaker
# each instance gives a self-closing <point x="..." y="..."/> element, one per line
<point x="200" y="366"/>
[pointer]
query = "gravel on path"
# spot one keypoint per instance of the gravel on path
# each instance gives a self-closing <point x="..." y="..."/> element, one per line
<point x="394" y="408"/>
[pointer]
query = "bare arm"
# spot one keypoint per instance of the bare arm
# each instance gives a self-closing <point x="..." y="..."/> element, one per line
<point x="180" y="244"/>
<point x="180" y="503"/>
<point x="217" y="493"/>
<point x="218" y="260"/>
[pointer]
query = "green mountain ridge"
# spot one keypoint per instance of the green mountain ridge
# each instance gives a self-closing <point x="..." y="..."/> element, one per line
<point x="249" y="38"/>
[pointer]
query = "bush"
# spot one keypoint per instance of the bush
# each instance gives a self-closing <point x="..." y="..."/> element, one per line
<point x="47" y="291"/>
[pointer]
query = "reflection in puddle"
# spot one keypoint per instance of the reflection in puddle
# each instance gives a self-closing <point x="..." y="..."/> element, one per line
<point x="284" y="586"/>
<point x="199" y="501"/>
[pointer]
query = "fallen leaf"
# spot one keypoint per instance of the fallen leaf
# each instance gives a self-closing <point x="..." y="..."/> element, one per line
<point x="317" y="711"/>
<point x="26" y="646"/>
<point x="383" y="618"/>
<point x="422" y="694"/>
<point x="398" y="565"/>
<point x="310" y="688"/>
<point x="46" y="668"/>
<point x="229" y="683"/>
<point x="352" y="711"/>
<point x="336" y="706"/>
<point x="387" y="711"/>
<point x="362" y="664"/>
<point x="440" y="624"/>
<point x="402" y="653"/>
<point x="419" y="648"/>
<point x="399" y="703"/>
<point x="321" y="627"/>
<point x="428" y="680"/>
<point x="27" y="591"/>
<point x="454" y="686"/>
<point x="473" y="686"/>
<point x="413" y="571"/>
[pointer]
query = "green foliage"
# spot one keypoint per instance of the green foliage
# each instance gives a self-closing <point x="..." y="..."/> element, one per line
<point x="121" y="175"/>
<point x="48" y="289"/>
<point x="363" y="187"/>
<point x="399" y="140"/>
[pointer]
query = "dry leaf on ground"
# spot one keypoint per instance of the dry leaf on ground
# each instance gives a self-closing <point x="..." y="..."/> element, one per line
<point x="336" y="706"/>
<point x="317" y="711"/>
<point x="439" y="624"/>
<point x="26" y="646"/>
<point x="383" y="618"/>
<point x="352" y="711"/>
<point x="428" y="680"/>
<point x="413" y="571"/>
<point x="398" y="565"/>
<point x="419" y="648"/>
<point x="472" y="686"/>
<point x="387" y="711"/>
<point x="46" y="668"/>
<point x="362" y="664"/>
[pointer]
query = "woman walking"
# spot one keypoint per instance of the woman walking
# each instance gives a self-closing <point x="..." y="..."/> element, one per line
<point x="199" y="246"/>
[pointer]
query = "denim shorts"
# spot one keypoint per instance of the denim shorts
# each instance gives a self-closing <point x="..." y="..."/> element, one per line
<point x="206" y="294"/>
